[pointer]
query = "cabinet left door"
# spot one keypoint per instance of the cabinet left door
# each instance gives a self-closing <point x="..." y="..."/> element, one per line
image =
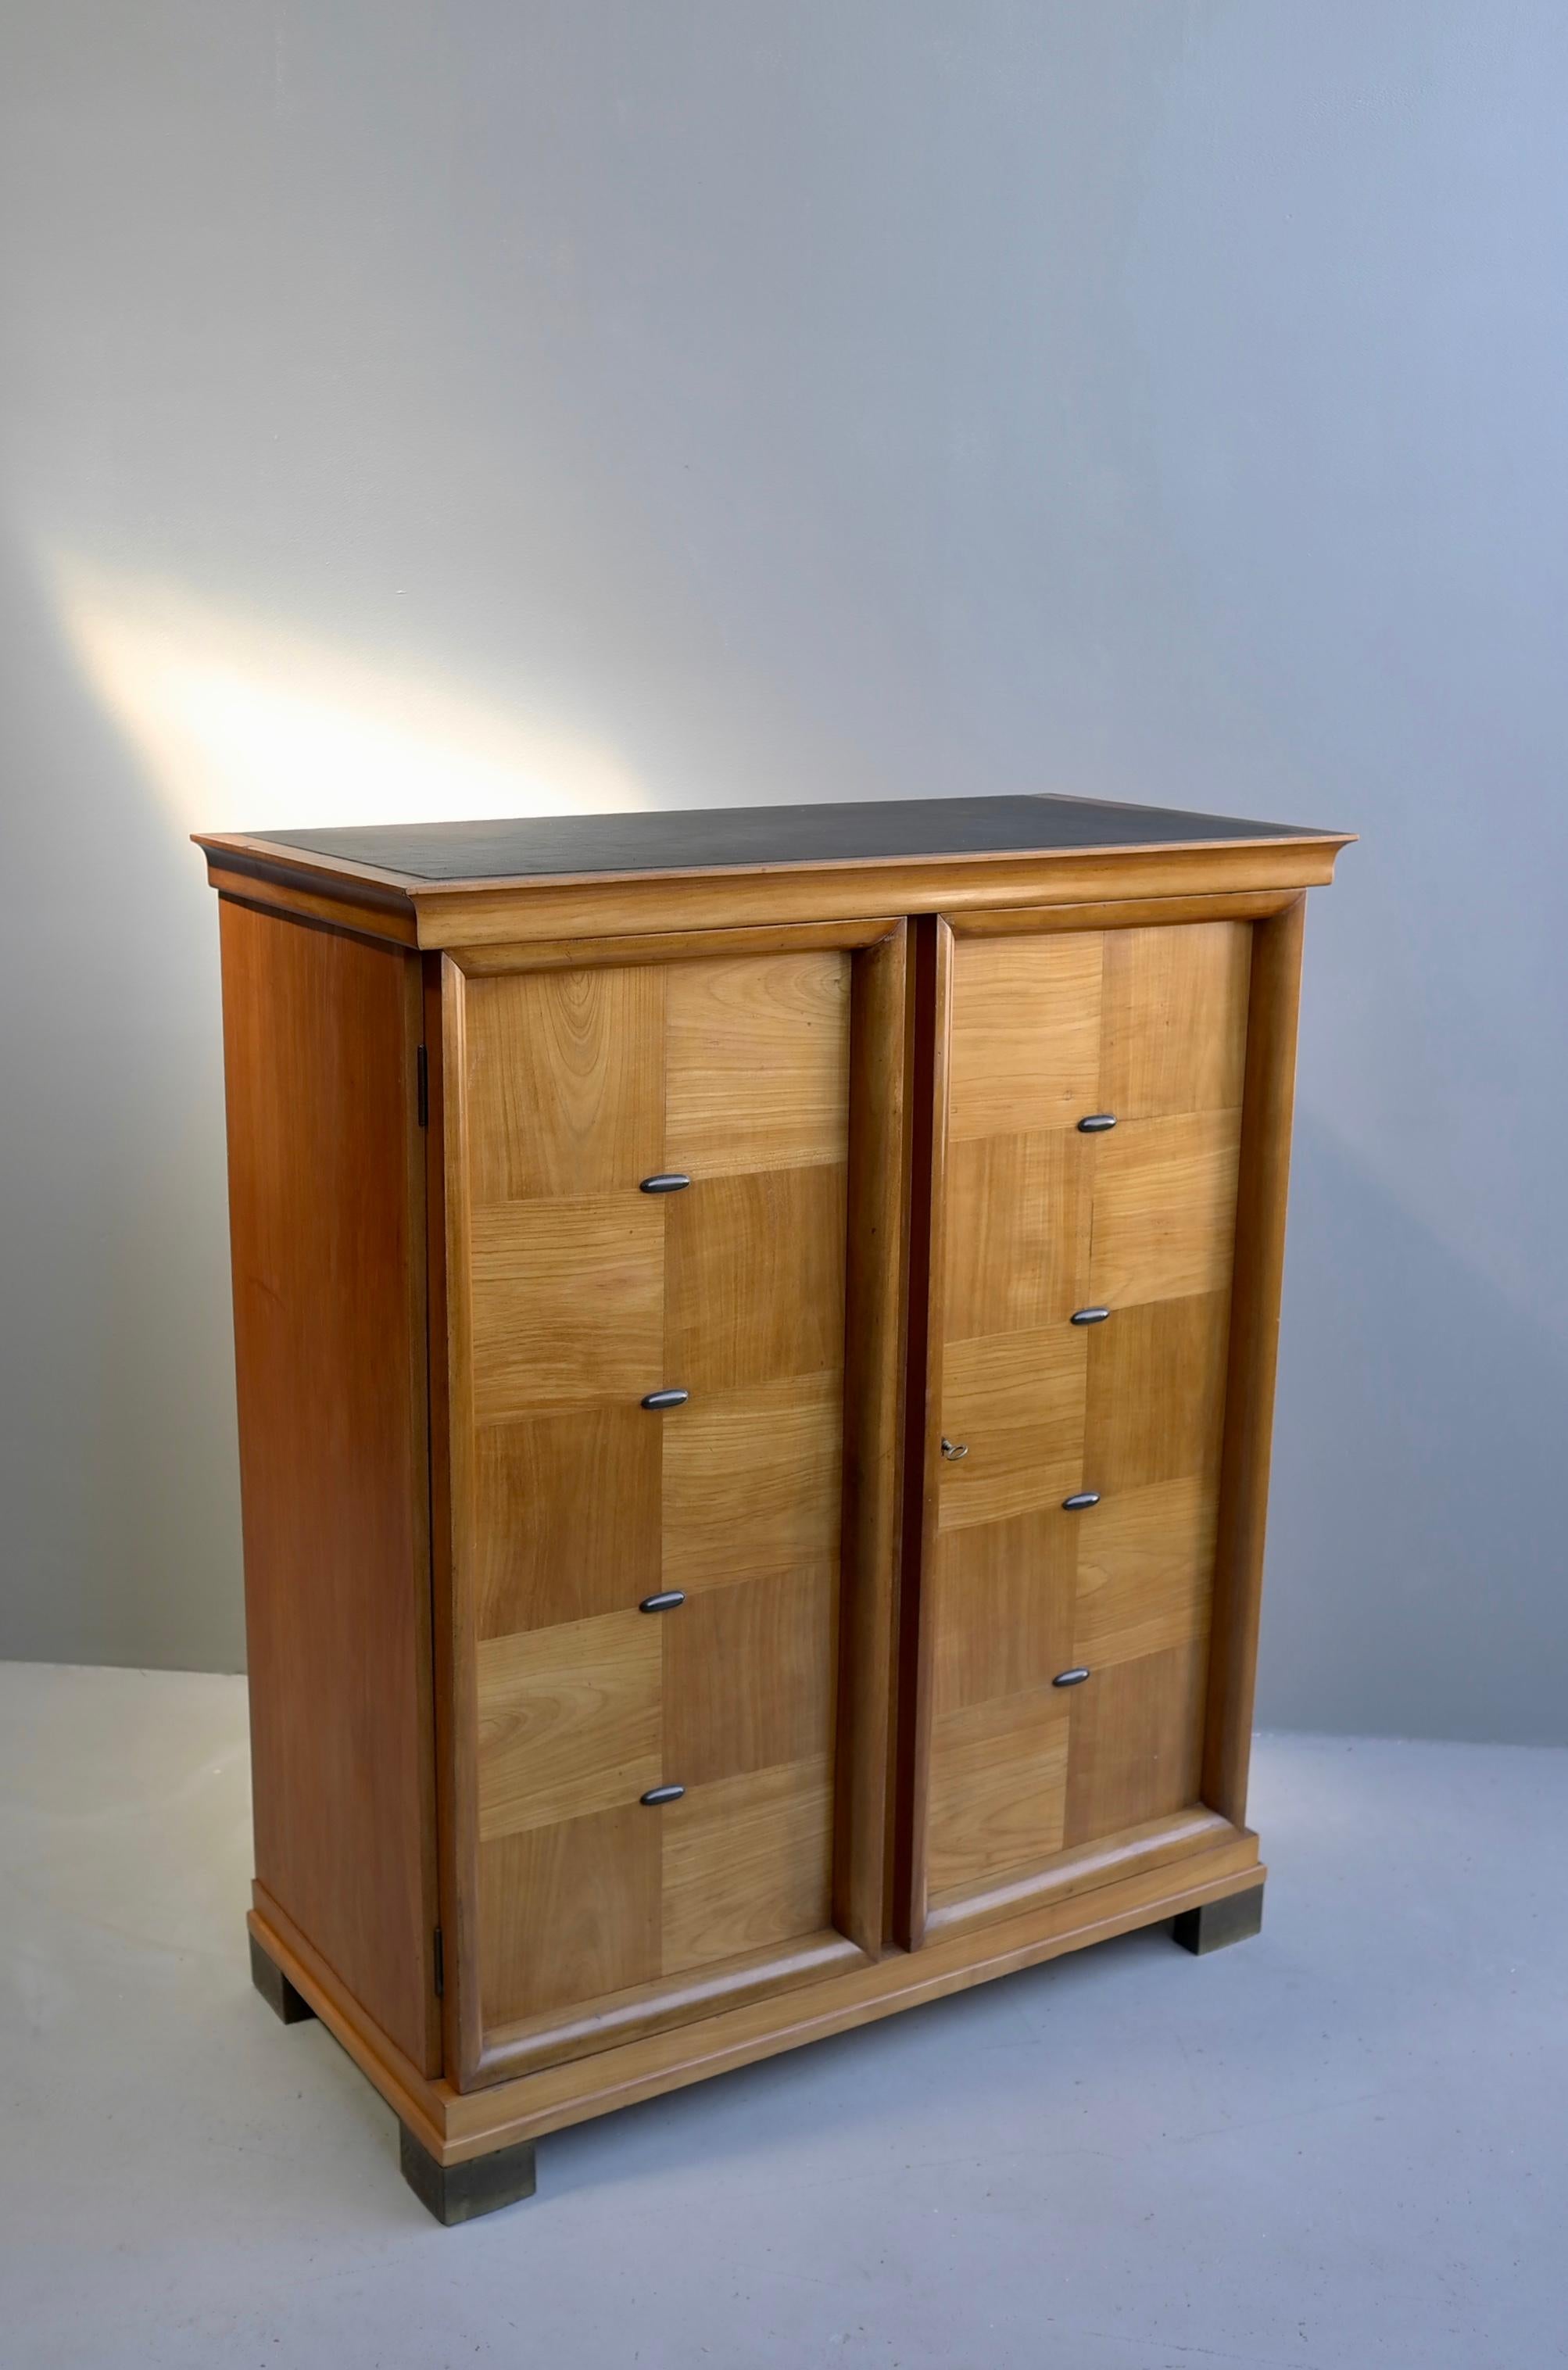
<point x="672" y="1206"/>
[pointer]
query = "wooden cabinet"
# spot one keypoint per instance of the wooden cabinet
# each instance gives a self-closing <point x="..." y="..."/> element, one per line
<point x="756" y="1344"/>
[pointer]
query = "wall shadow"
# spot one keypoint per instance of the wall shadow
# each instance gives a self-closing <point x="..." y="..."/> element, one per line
<point x="1416" y="1587"/>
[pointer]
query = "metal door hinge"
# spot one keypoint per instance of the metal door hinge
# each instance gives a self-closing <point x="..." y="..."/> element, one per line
<point x="440" y="1964"/>
<point x="422" y="1084"/>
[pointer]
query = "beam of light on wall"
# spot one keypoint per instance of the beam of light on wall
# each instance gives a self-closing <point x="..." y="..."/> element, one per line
<point x="244" y="723"/>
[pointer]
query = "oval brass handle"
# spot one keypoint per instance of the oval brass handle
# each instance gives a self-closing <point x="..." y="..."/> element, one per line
<point x="954" y="1449"/>
<point x="664" y="1602"/>
<point x="1097" y="1123"/>
<point x="669" y="1180"/>
<point x="657" y="1794"/>
<point x="1071" y="1678"/>
<point x="667" y="1399"/>
<point x="1079" y="1499"/>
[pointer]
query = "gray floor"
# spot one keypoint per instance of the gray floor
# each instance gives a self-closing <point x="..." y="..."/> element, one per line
<point x="1342" y="2144"/>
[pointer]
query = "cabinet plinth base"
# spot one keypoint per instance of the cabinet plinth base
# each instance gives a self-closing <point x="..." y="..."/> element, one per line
<point x="1219" y="1923"/>
<point x="487" y="2134"/>
<point x="289" y="2005"/>
<point x="459" y="2193"/>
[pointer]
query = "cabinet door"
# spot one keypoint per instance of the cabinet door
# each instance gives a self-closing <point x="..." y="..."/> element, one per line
<point x="1085" y="1209"/>
<point x="650" y="1195"/>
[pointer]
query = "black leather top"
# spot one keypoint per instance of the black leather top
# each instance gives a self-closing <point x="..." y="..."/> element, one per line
<point x="705" y="838"/>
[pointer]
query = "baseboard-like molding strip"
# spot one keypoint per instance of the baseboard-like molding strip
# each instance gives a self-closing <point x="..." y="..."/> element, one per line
<point x="414" y="2099"/>
<point x="659" y="2007"/>
<point x="1159" y="1843"/>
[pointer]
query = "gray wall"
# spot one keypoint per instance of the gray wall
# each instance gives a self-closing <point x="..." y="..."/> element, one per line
<point x="427" y="411"/>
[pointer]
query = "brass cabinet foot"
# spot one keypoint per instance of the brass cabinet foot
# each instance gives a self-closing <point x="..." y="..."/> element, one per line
<point x="1235" y="1919"/>
<point x="275" y="1987"/>
<point x="457" y="2192"/>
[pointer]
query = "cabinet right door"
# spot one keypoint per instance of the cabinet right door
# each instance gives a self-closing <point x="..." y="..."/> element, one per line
<point x="1088" y="1127"/>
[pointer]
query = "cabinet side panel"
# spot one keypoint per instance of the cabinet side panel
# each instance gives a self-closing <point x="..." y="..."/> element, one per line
<point x="1254" y="1341"/>
<point x="326" y="1225"/>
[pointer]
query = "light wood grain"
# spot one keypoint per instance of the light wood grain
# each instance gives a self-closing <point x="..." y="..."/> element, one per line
<point x="484" y="960"/>
<point x="1016" y="1402"/>
<point x="1136" y="1744"/>
<point x="637" y="2011"/>
<point x="378" y="925"/>
<point x="1003" y="1606"/>
<point x="754" y="1277"/>
<point x="565" y="1069"/>
<point x="749" y="1675"/>
<point x="1033" y="1223"/>
<point x="1164" y="1207"/>
<point x="566" y="1517"/>
<point x="1175" y="1019"/>
<point x="1025" y="1047"/>
<point x="758" y="1063"/>
<point x="354" y="895"/>
<point x="569" y="1912"/>
<point x="562" y="1493"/>
<point x="452" y="1636"/>
<point x="1109" y="1860"/>
<point x="459" y="2125"/>
<point x="580" y="1502"/>
<point x="1254" y="1341"/>
<point x="1016" y="1232"/>
<point x="1122" y="913"/>
<point x="748" y="1862"/>
<point x="930" y="1006"/>
<point x="569" y="1721"/>
<point x="490" y="913"/>
<point x="998" y="1786"/>
<point x="752" y="1481"/>
<point x="456" y="1555"/>
<point x="568" y="1303"/>
<point x="1144" y="1572"/>
<point x="1156" y="1392"/>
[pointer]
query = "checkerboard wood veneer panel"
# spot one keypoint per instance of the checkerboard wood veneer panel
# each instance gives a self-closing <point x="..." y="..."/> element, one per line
<point x="588" y="1294"/>
<point x="1043" y="1220"/>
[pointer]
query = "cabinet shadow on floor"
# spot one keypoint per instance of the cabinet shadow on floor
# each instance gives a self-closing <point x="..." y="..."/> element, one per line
<point x="935" y="2068"/>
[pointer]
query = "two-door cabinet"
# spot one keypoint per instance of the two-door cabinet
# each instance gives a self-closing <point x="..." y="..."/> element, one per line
<point x="755" y="1335"/>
